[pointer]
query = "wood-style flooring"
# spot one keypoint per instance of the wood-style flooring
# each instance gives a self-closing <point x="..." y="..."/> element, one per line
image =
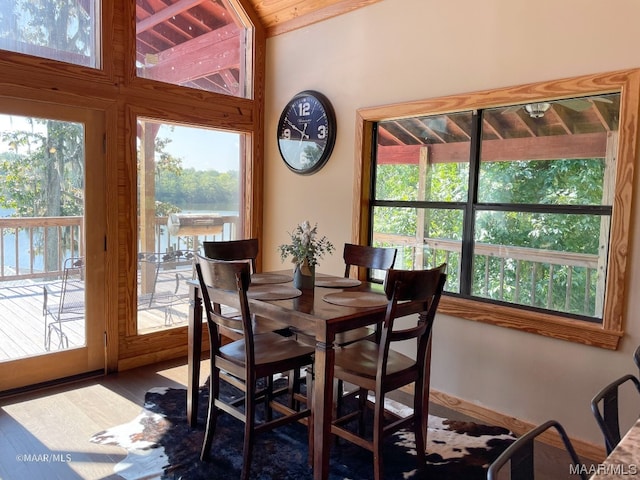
<point x="59" y="421"/>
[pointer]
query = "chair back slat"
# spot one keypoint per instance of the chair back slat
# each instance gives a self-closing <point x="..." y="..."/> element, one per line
<point x="368" y="257"/>
<point x="220" y="278"/>
<point x="520" y="454"/>
<point x="410" y="286"/>
<point x="233" y="250"/>
<point x="605" y="408"/>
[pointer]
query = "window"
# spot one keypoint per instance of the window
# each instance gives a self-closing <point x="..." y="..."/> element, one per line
<point x="189" y="191"/>
<point x="205" y="45"/>
<point x="65" y="30"/>
<point x="518" y="199"/>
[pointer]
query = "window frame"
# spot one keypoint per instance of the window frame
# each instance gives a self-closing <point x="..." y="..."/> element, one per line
<point x="627" y="83"/>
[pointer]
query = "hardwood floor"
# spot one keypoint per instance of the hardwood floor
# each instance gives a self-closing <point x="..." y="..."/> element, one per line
<point x="59" y="421"/>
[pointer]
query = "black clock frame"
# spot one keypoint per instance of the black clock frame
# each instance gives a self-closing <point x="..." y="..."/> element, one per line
<point x="324" y="102"/>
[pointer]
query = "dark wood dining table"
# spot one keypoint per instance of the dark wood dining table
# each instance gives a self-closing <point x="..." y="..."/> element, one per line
<point x="308" y="313"/>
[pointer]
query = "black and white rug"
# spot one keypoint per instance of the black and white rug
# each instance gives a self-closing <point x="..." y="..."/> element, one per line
<point x="161" y="445"/>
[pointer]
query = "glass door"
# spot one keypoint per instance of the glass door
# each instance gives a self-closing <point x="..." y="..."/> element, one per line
<point x="52" y="242"/>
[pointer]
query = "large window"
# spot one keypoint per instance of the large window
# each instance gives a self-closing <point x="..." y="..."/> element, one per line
<point x="189" y="192"/>
<point x="65" y="30"/>
<point x="518" y="199"/>
<point x="206" y="45"/>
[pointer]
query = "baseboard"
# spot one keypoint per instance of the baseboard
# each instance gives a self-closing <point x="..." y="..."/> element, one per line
<point x="584" y="449"/>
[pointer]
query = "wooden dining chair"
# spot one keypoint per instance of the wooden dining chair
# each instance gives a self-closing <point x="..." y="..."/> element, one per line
<point x="244" y="362"/>
<point x="231" y="250"/>
<point x="376" y="366"/>
<point x="240" y="250"/>
<point x="373" y="258"/>
<point x="605" y="408"/>
<point x="520" y="454"/>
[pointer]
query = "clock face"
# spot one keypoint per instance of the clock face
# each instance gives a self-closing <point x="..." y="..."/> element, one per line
<point x="307" y="132"/>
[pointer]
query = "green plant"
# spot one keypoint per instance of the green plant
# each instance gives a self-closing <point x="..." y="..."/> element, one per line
<point x="305" y="245"/>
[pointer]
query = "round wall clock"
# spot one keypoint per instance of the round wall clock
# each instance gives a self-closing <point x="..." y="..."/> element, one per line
<point x="307" y="132"/>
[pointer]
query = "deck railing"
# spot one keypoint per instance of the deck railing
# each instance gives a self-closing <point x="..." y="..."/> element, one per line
<point x="36" y="247"/>
<point x="561" y="281"/>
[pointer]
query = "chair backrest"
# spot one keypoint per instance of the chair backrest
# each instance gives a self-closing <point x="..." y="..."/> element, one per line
<point x="72" y="294"/>
<point x="233" y="250"/>
<point x="521" y="454"/>
<point x="605" y="408"/>
<point x="369" y="257"/>
<point x="416" y="286"/>
<point x="636" y="358"/>
<point x="218" y="278"/>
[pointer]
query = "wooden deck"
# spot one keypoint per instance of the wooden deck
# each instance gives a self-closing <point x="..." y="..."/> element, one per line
<point x="22" y="323"/>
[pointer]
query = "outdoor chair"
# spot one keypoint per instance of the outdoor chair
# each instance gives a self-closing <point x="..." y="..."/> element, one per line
<point x="605" y="408"/>
<point x="64" y="301"/>
<point x="244" y="362"/>
<point x="378" y="366"/>
<point x="162" y="283"/>
<point x="521" y="454"/>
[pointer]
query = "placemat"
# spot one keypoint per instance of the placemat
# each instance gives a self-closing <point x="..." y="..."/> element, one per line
<point x="337" y="282"/>
<point x="273" y="292"/>
<point x="269" y="278"/>
<point x="356" y="299"/>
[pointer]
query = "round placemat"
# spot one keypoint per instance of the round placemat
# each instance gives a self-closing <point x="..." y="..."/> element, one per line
<point x="273" y="292"/>
<point x="356" y="299"/>
<point x="337" y="282"/>
<point x="269" y="278"/>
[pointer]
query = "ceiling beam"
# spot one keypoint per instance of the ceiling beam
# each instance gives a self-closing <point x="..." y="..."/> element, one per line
<point x="588" y="145"/>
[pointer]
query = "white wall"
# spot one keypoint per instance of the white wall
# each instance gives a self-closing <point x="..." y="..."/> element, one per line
<point x="403" y="50"/>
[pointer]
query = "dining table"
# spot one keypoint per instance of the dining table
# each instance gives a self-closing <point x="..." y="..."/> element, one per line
<point x="624" y="461"/>
<point x="333" y="306"/>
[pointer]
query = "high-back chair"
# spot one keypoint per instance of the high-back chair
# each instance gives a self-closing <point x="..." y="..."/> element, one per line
<point x="605" y="408"/>
<point x="64" y="304"/>
<point x="376" y="258"/>
<point x="243" y="362"/>
<point x="520" y="454"/>
<point x="240" y="250"/>
<point x="232" y="250"/>
<point x="380" y="368"/>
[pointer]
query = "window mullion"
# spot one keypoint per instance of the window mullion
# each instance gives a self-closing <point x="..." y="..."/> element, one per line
<point x="472" y="200"/>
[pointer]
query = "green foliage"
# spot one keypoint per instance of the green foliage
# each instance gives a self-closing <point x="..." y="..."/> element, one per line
<point x="306" y="246"/>
<point x="536" y="283"/>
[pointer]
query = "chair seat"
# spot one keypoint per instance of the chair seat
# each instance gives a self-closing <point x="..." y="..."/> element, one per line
<point x="350" y="336"/>
<point x="270" y="348"/>
<point x="361" y="359"/>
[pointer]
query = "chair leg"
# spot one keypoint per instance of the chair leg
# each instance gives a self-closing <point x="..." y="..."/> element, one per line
<point x="420" y="433"/>
<point x="249" y="429"/>
<point x="378" y="437"/>
<point x="268" y="398"/>
<point x="310" y="418"/>
<point x="214" y="388"/>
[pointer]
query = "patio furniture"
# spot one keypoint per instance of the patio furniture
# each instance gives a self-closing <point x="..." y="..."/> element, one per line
<point x="64" y="301"/>
<point x="162" y="282"/>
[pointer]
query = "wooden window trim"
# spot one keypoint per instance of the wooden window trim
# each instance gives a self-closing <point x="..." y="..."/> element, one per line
<point x="627" y="82"/>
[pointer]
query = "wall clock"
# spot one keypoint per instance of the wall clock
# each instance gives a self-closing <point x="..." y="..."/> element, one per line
<point x="307" y="132"/>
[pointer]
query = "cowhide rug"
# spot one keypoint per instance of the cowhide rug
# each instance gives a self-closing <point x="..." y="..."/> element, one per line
<point x="160" y="444"/>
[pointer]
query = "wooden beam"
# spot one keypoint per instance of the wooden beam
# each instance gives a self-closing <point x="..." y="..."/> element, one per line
<point x="204" y="55"/>
<point x="589" y="145"/>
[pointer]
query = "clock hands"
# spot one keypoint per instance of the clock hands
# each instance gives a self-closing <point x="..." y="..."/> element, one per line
<point x="302" y="132"/>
